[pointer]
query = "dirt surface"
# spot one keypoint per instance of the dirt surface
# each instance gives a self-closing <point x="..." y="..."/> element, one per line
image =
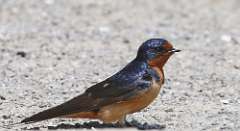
<point x="52" y="50"/>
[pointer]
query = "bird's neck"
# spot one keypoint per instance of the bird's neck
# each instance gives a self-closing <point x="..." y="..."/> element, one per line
<point x="158" y="62"/>
<point x="157" y="65"/>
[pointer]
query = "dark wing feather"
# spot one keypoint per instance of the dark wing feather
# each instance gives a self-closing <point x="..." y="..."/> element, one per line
<point x="126" y="83"/>
<point x="127" y="80"/>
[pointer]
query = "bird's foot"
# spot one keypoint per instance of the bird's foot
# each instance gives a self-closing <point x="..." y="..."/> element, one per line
<point x="122" y="124"/>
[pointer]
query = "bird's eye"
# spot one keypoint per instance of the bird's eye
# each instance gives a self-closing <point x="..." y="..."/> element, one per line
<point x="159" y="49"/>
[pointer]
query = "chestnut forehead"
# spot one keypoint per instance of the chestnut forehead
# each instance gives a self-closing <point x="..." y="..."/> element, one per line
<point x="167" y="45"/>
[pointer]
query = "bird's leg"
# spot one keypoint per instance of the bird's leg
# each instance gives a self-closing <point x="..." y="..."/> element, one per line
<point x="122" y="122"/>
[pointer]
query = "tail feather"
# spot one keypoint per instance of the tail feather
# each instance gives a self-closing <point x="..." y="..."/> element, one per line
<point x="75" y="105"/>
<point x="47" y="114"/>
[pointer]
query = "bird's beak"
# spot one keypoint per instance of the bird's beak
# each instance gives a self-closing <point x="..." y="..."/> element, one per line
<point x="174" y="50"/>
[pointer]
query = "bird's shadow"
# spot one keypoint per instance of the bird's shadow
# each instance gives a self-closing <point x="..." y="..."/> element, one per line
<point x="95" y="124"/>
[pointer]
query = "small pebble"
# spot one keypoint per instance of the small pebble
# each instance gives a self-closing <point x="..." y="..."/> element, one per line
<point x="169" y="110"/>
<point x="21" y="53"/>
<point x="49" y="2"/>
<point x="236" y="67"/>
<point x="226" y="38"/>
<point x="2" y="98"/>
<point x="104" y="30"/>
<point x="5" y="116"/>
<point x="225" y="101"/>
<point x="126" y="41"/>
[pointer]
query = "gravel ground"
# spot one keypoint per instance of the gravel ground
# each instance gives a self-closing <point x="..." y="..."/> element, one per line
<point x="52" y="50"/>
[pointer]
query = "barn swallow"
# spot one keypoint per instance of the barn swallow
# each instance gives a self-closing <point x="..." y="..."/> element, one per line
<point x="128" y="91"/>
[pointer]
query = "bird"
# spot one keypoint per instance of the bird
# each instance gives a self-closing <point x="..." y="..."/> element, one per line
<point x="128" y="91"/>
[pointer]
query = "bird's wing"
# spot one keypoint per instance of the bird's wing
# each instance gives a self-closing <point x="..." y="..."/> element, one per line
<point x="113" y="89"/>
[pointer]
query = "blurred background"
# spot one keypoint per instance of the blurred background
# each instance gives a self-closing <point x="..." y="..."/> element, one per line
<point x="52" y="50"/>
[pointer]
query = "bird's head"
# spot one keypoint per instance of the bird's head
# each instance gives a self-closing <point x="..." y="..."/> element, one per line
<point x="156" y="52"/>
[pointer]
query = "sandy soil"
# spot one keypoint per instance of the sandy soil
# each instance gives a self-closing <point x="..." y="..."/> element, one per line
<point x="52" y="50"/>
